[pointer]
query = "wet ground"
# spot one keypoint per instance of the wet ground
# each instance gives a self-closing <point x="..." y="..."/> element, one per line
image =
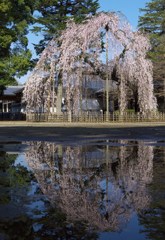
<point x="21" y="131"/>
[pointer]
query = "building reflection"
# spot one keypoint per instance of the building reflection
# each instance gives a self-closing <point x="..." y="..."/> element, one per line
<point x="102" y="185"/>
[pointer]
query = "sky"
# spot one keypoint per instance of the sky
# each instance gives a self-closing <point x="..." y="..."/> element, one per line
<point x="130" y="8"/>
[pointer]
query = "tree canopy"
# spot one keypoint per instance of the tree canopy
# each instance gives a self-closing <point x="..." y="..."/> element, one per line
<point x="153" y="23"/>
<point x="15" y="17"/>
<point x="53" y="16"/>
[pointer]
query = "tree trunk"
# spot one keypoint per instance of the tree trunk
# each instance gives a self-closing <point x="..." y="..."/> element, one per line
<point x="137" y="109"/>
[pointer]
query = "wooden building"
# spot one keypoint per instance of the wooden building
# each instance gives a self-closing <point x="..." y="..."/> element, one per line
<point x="10" y="99"/>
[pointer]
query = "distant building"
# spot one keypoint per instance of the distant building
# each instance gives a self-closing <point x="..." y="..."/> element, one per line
<point x="10" y="99"/>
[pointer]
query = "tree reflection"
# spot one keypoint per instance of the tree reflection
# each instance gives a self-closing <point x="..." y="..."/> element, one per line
<point x="153" y="219"/>
<point x="101" y="186"/>
<point x="14" y="180"/>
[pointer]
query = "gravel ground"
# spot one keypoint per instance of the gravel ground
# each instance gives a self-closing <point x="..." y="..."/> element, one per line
<point x="79" y="132"/>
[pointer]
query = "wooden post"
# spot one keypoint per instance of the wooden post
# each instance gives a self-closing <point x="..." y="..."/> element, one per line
<point x="107" y="78"/>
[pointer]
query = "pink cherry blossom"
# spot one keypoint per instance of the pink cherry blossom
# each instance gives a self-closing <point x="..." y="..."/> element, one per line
<point x="78" y="53"/>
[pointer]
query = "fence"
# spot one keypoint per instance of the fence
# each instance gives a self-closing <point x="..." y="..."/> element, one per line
<point x="95" y="117"/>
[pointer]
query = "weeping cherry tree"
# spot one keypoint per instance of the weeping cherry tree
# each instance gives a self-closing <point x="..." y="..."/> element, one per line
<point x="98" y="47"/>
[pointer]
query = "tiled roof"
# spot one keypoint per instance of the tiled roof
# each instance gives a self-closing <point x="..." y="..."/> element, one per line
<point x="12" y="90"/>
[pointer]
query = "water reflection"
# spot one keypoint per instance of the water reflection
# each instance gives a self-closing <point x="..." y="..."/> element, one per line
<point x="103" y="184"/>
<point x="14" y="199"/>
<point x="102" y="190"/>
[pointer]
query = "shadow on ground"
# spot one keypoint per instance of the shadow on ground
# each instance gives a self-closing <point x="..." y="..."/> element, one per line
<point x="75" y="134"/>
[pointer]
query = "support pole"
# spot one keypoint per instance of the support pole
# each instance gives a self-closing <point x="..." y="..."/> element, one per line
<point x="53" y="97"/>
<point x="107" y="78"/>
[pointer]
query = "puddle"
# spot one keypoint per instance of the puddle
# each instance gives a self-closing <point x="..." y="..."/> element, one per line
<point x="99" y="190"/>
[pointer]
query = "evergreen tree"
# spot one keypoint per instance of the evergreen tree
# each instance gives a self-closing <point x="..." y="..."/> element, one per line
<point x="15" y="17"/>
<point x="153" y="23"/>
<point x="55" y="13"/>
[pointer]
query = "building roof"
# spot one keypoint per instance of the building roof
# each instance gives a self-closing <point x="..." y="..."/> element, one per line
<point x="12" y="90"/>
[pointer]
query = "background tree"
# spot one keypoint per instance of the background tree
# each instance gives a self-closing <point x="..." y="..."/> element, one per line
<point x="153" y="23"/>
<point x="15" y="58"/>
<point x="15" y="19"/>
<point x="53" y="16"/>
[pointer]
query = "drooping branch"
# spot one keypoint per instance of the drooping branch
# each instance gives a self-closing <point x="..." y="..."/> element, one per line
<point x="37" y="92"/>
